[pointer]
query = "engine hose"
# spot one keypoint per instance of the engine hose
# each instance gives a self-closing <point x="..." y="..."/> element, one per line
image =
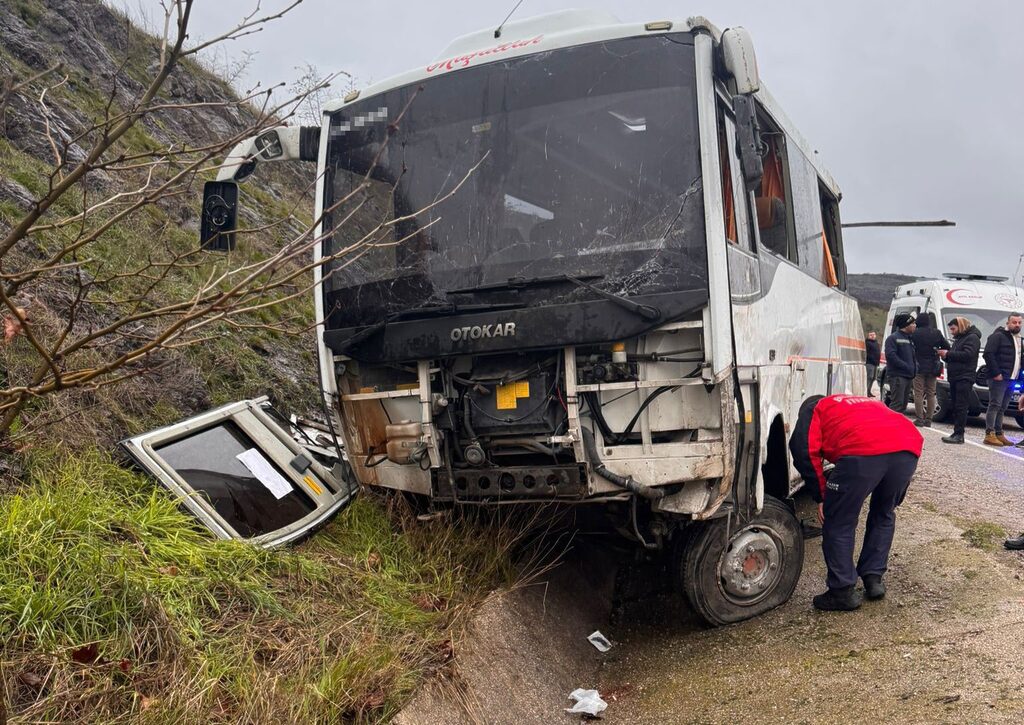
<point x="627" y="482"/>
<point x="521" y="443"/>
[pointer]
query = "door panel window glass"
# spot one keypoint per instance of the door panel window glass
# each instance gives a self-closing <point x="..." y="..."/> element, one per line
<point x="207" y="461"/>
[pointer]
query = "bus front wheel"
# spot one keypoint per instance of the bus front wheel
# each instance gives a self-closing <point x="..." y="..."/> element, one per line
<point x="729" y="576"/>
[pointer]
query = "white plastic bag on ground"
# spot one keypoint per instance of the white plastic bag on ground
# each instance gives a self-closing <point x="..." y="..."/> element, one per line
<point x="587" y="702"/>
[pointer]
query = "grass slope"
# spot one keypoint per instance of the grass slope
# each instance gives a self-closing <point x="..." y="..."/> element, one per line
<point x="115" y="607"/>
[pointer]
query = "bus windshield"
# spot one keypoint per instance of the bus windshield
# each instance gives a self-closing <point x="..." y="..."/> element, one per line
<point x="582" y="161"/>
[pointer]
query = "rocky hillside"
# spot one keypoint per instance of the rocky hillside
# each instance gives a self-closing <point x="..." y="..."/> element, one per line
<point x="90" y="61"/>
<point x="874" y="292"/>
<point x="876" y="288"/>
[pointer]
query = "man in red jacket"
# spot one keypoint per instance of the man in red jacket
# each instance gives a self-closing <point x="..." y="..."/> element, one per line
<point x="875" y="452"/>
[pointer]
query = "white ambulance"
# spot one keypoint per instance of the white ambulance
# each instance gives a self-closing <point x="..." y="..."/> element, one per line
<point x="984" y="300"/>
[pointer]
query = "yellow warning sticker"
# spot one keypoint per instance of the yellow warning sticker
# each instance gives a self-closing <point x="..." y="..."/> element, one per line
<point x="508" y="395"/>
<point x="312" y="484"/>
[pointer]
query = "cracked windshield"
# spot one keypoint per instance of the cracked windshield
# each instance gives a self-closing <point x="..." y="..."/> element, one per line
<point x="555" y="163"/>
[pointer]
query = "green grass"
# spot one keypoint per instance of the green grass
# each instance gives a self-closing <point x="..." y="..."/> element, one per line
<point x="983" y="534"/>
<point x="168" y="625"/>
<point x="873" y="318"/>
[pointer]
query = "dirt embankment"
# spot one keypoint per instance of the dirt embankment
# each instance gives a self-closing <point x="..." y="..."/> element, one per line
<point x="526" y="650"/>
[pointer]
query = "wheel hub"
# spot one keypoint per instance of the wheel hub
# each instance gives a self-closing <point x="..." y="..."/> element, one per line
<point x="751" y="565"/>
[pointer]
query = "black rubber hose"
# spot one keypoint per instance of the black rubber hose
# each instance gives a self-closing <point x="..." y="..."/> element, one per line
<point x="627" y="482"/>
<point x="643" y="407"/>
<point x="594" y="403"/>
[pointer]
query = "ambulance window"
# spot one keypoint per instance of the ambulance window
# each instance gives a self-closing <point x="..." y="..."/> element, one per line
<point x="900" y="311"/>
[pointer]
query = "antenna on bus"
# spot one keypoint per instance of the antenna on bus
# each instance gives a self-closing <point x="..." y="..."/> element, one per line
<point x="497" y="33"/>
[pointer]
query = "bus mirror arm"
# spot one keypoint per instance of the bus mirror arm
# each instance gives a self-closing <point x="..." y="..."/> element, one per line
<point x="748" y="140"/>
<point x="220" y="197"/>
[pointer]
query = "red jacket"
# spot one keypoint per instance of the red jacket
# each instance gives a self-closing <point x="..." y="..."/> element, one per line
<point x="847" y="425"/>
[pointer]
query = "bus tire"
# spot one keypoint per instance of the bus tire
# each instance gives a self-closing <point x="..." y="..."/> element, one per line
<point x="754" y="571"/>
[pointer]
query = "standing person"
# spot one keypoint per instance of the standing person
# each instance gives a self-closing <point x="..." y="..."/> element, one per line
<point x="872" y="356"/>
<point x="1002" y="361"/>
<point x="961" y="370"/>
<point x="927" y="340"/>
<point x="875" y="452"/>
<point x="900" y="362"/>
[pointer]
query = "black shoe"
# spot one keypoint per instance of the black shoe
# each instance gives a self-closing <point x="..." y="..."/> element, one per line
<point x="920" y="422"/>
<point x="955" y="438"/>
<point x="838" y="600"/>
<point x="1015" y="544"/>
<point x="874" y="587"/>
<point x="927" y="424"/>
<point x="1020" y="444"/>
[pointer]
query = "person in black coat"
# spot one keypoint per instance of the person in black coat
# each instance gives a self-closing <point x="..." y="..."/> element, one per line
<point x="961" y="369"/>
<point x="927" y="341"/>
<point x="900" y="361"/>
<point x="872" y="357"/>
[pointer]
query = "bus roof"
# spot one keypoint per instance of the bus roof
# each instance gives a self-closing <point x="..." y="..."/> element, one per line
<point x="560" y="30"/>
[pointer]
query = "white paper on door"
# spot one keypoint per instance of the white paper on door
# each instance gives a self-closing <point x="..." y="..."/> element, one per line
<point x="265" y="473"/>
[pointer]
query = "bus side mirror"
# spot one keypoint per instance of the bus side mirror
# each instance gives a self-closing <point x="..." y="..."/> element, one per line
<point x="220" y="215"/>
<point x="739" y="60"/>
<point x="748" y="141"/>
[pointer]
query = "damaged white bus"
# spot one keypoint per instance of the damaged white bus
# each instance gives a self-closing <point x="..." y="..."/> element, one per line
<point x="615" y="269"/>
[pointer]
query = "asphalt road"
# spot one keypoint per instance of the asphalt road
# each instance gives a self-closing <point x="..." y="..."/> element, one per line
<point x="944" y="646"/>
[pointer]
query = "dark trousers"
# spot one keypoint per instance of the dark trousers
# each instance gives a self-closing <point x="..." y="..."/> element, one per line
<point x="998" y="402"/>
<point x="872" y="371"/>
<point x="899" y="392"/>
<point x="885" y="479"/>
<point x="959" y="398"/>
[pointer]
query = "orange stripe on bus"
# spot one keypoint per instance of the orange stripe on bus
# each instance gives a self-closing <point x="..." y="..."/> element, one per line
<point x="850" y="342"/>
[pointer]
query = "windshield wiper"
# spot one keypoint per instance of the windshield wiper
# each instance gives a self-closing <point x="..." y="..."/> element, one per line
<point x="450" y="308"/>
<point x="516" y="283"/>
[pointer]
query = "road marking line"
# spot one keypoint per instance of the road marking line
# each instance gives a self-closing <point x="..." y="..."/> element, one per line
<point x="982" y="446"/>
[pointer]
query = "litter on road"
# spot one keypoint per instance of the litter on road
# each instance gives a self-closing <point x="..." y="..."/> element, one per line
<point x="599" y="641"/>
<point x="588" y="702"/>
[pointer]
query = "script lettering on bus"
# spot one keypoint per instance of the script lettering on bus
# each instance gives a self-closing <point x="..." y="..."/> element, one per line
<point x="462" y="61"/>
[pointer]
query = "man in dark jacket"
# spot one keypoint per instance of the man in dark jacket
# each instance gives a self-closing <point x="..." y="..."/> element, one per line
<point x="961" y="370"/>
<point x="875" y="452"/>
<point x="900" y="362"/>
<point x="927" y="340"/>
<point x="872" y="356"/>
<point x="1002" y="361"/>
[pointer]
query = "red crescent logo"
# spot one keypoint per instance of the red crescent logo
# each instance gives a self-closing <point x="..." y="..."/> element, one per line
<point x="961" y="296"/>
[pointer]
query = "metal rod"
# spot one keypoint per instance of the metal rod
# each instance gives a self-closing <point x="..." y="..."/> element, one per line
<point x="939" y="223"/>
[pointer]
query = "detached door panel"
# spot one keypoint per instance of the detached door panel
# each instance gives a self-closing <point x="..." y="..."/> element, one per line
<point x="244" y="475"/>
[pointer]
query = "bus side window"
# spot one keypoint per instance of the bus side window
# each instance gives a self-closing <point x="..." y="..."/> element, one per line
<point x="772" y="201"/>
<point x="810" y="241"/>
<point x="834" y="265"/>
<point x="735" y="199"/>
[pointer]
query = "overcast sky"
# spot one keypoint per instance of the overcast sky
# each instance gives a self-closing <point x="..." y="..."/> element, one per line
<point x="917" y="108"/>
